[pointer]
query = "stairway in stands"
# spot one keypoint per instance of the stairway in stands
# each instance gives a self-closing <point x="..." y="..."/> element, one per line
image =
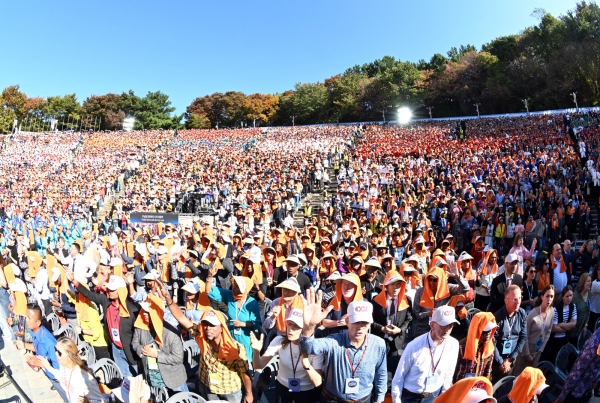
<point x="315" y="198"/>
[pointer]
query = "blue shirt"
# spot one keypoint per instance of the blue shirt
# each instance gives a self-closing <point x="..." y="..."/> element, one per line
<point x="372" y="371"/>
<point x="43" y="344"/>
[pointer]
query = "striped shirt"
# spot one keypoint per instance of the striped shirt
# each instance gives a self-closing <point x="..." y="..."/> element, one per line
<point x="371" y="372"/>
<point x="566" y="319"/>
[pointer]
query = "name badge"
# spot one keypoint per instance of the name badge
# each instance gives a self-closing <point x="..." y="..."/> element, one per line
<point x="507" y="346"/>
<point x="214" y="379"/>
<point x="373" y="295"/>
<point x="237" y="331"/>
<point x="351" y="385"/>
<point x="538" y="344"/>
<point x="152" y="364"/>
<point x="294" y="384"/>
<point x="469" y="375"/>
<point x="431" y="380"/>
<point x="115" y="335"/>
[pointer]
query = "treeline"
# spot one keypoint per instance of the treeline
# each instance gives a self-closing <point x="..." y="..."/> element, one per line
<point x="545" y="65"/>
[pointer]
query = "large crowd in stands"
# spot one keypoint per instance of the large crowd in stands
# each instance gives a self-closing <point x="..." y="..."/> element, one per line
<point x="449" y="259"/>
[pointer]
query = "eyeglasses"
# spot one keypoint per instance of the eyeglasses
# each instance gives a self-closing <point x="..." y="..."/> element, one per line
<point x="532" y="271"/>
<point x="58" y="352"/>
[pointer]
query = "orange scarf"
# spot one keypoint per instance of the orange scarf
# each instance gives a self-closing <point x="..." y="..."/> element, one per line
<point x="479" y="321"/>
<point x="544" y="280"/>
<point x="83" y="304"/>
<point x="486" y="268"/>
<point x="563" y="266"/>
<point x="428" y="299"/>
<point x="228" y="350"/>
<point x="256" y="272"/>
<point x="526" y="385"/>
<point x="280" y="320"/>
<point x="201" y="299"/>
<point x="381" y="298"/>
<point x="337" y="300"/>
<point x="554" y="224"/>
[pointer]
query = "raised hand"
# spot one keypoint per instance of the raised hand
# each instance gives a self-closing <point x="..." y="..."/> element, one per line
<point x="256" y="344"/>
<point x="313" y="315"/>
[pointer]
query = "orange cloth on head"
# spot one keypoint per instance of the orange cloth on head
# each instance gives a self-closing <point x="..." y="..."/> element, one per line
<point x="244" y="287"/>
<point x="413" y="279"/>
<point x="34" y="262"/>
<point x="156" y="311"/>
<point x="428" y="299"/>
<point x="228" y="350"/>
<point x="280" y="320"/>
<point x="20" y="306"/>
<point x="485" y="268"/>
<point x="256" y="272"/>
<point x="526" y="384"/>
<point x="479" y="321"/>
<point x="381" y="298"/>
<point x="462" y="311"/>
<point x="337" y="300"/>
<point x="123" y="293"/>
<point x="165" y="276"/>
<point x="457" y="392"/>
<point x="9" y="272"/>
<point x="83" y="304"/>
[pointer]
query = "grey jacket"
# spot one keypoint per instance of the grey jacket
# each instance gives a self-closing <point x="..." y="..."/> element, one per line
<point x="170" y="354"/>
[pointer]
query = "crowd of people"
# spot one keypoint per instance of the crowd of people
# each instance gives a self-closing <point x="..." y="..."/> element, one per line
<point x="442" y="264"/>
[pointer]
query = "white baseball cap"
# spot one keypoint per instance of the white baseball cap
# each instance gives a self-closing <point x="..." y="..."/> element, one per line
<point x="152" y="275"/>
<point x="115" y="262"/>
<point x="212" y="318"/>
<point x="162" y="250"/>
<point x="18" y="286"/>
<point x="512" y="257"/>
<point x="334" y="276"/>
<point x="191" y="287"/>
<point x="115" y="282"/>
<point x="360" y="311"/>
<point x="465" y="256"/>
<point x="55" y="274"/>
<point x="297" y="316"/>
<point x="444" y="315"/>
<point x="476" y="395"/>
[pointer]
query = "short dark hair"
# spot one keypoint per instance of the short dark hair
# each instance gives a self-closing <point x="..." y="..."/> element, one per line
<point x="36" y="308"/>
<point x="76" y="245"/>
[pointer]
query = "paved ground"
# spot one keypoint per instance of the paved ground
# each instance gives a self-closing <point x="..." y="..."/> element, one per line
<point x="35" y="384"/>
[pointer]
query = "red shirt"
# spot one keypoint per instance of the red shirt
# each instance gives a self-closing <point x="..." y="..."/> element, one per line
<point x="113" y="318"/>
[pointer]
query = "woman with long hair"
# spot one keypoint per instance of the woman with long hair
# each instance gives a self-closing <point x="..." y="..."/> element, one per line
<point x="73" y="374"/>
<point x="581" y="298"/>
<point x="565" y="319"/>
<point x="539" y="328"/>
<point x="299" y="374"/>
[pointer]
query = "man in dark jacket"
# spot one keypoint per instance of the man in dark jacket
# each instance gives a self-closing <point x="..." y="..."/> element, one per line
<point x="120" y="314"/>
<point x="503" y="281"/>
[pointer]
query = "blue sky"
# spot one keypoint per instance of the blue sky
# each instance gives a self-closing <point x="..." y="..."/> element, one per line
<point x="191" y="48"/>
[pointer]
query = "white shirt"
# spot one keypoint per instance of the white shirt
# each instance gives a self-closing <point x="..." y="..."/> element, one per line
<point x="41" y="284"/>
<point x="415" y="366"/>
<point x="285" y="363"/>
<point x="77" y="383"/>
<point x="81" y="266"/>
<point x="560" y="279"/>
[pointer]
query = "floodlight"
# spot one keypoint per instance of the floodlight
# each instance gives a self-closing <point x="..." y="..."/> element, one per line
<point x="404" y="115"/>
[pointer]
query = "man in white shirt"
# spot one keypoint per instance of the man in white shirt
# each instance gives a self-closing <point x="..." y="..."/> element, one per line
<point x="428" y="362"/>
<point x="81" y="266"/>
<point x="558" y="276"/>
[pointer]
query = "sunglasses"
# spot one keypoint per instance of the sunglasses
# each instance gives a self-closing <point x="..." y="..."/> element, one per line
<point x="532" y="271"/>
<point x="58" y="352"/>
<point x="547" y="264"/>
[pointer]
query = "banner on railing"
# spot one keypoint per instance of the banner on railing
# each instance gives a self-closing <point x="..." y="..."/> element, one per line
<point x="154" y="218"/>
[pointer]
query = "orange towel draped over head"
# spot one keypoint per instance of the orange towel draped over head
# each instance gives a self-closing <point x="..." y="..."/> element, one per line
<point x="381" y="298"/>
<point x="296" y="303"/>
<point x="228" y="350"/>
<point x="477" y="386"/>
<point x="428" y="299"/>
<point x="244" y="284"/>
<point x="526" y="385"/>
<point x="461" y="311"/>
<point x="156" y="311"/>
<point x="485" y="269"/>
<point x="478" y="324"/>
<point x="337" y="300"/>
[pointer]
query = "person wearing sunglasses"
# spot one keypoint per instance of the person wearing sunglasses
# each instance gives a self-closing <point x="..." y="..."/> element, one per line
<point x="73" y="374"/>
<point x="530" y="289"/>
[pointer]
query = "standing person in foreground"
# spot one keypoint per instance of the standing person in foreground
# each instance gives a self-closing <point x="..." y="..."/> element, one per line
<point x="511" y="335"/>
<point x="357" y="369"/>
<point x="427" y="365"/>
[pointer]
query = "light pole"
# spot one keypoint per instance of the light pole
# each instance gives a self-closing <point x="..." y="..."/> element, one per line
<point x="575" y="100"/>
<point x="477" y="107"/>
<point x="293" y="120"/>
<point x="526" y="102"/>
<point x="429" y="108"/>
